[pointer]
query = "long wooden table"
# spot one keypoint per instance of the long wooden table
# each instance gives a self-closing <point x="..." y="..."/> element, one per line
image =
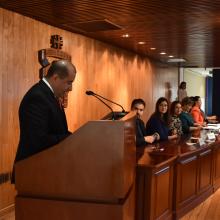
<point x="174" y="177"/>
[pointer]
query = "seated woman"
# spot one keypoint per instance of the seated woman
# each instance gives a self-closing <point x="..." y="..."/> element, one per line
<point x="175" y="124"/>
<point x="186" y="118"/>
<point x="138" y="106"/>
<point x="197" y="114"/>
<point x="159" y="120"/>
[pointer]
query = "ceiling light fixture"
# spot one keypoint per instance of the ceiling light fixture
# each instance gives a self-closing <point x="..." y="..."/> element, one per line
<point x="171" y="56"/>
<point x="141" y="42"/>
<point x="162" y="53"/>
<point x="125" y="35"/>
<point x="153" y="48"/>
<point x="176" y="60"/>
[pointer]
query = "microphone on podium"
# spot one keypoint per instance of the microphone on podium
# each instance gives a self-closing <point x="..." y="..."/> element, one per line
<point x="90" y="93"/>
<point x="94" y="94"/>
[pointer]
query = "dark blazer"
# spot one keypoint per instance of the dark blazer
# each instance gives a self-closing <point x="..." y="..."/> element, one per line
<point x="140" y="133"/>
<point x="156" y="125"/>
<point x="42" y="121"/>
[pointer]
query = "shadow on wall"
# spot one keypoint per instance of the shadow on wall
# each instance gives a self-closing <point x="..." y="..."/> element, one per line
<point x="168" y="91"/>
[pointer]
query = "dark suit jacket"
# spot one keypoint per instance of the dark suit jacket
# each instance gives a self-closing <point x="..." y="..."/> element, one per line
<point x="154" y="124"/>
<point x="140" y="133"/>
<point x="42" y="121"/>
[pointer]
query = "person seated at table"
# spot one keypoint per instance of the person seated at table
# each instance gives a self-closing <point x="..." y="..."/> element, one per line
<point x="159" y="121"/>
<point x="138" y="106"/>
<point x="197" y="114"/>
<point x="188" y="123"/>
<point x="175" y="124"/>
<point x="211" y="118"/>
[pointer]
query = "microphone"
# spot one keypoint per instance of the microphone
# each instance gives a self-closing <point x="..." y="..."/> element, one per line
<point x="90" y="93"/>
<point x="94" y="94"/>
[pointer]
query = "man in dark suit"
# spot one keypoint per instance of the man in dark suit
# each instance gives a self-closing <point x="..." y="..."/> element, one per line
<point x="138" y="106"/>
<point x="42" y="119"/>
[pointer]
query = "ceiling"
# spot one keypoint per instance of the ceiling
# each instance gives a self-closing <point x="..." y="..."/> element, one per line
<point x="188" y="29"/>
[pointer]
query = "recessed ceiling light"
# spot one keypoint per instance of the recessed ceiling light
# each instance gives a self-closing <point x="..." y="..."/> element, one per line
<point x="141" y="42"/>
<point x="176" y="60"/>
<point x="153" y="48"/>
<point x="125" y="35"/>
<point x="162" y="53"/>
<point x="171" y="56"/>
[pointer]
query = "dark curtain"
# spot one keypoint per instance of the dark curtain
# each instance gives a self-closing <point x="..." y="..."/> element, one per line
<point x="216" y="93"/>
<point x="208" y="95"/>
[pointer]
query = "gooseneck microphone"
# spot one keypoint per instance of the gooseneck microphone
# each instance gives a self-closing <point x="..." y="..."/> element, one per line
<point x="90" y="93"/>
<point x="94" y="94"/>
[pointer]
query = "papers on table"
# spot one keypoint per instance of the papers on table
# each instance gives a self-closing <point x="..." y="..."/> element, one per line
<point x="212" y="127"/>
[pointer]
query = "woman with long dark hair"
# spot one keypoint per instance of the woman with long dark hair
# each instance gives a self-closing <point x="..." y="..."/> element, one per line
<point x="159" y="121"/>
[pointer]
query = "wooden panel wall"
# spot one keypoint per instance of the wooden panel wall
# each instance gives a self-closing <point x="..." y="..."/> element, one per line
<point x="109" y="71"/>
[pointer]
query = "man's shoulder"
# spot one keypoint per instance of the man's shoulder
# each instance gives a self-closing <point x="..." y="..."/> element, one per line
<point x="39" y="91"/>
<point x="139" y="122"/>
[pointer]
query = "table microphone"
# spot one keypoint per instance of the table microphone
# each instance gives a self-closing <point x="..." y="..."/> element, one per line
<point x="94" y="94"/>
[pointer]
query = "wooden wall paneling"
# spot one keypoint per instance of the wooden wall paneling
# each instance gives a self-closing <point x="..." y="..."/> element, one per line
<point x="88" y="78"/>
<point x="154" y="187"/>
<point x="165" y="82"/>
<point x="205" y="170"/>
<point x="163" y="189"/>
<point x="115" y="80"/>
<point x="186" y="179"/>
<point x="147" y="89"/>
<point x="6" y="97"/>
<point x="1" y="102"/>
<point x="140" y="191"/>
<point x="216" y="179"/>
<point x="161" y="194"/>
<point x="33" y="41"/>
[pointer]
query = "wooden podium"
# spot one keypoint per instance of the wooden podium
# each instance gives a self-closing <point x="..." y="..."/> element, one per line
<point x="89" y="175"/>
